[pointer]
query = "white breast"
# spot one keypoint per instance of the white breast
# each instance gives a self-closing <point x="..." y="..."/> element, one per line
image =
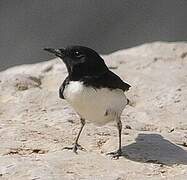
<point x="96" y="105"/>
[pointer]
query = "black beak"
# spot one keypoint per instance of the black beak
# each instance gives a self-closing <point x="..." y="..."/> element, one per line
<point x="57" y="52"/>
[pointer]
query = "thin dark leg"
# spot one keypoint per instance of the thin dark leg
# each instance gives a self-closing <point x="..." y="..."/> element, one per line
<point x="119" y="125"/>
<point x="76" y="145"/>
<point x="117" y="153"/>
<point x="79" y="133"/>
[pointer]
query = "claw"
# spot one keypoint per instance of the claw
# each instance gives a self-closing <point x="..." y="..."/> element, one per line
<point x="75" y="147"/>
<point x="115" y="154"/>
<point x="80" y="147"/>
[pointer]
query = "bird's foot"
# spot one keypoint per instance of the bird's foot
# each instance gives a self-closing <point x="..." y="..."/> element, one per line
<point x="75" y="147"/>
<point x="115" y="154"/>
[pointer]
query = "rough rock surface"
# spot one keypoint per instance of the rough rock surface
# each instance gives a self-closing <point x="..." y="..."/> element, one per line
<point x="35" y="124"/>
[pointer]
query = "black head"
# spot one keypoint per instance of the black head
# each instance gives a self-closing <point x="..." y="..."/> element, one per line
<point x="80" y="61"/>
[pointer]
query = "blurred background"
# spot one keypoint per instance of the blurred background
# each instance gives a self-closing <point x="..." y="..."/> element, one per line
<point x="104" y="25"/>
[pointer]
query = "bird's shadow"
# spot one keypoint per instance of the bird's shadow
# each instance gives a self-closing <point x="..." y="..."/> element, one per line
<point x="153" y="148"/>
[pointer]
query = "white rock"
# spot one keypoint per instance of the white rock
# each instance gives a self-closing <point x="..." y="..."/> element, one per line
<point x="35" y="124"/>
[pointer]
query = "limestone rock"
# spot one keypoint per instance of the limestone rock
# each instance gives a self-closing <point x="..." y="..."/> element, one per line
<point x="35" y="124"/>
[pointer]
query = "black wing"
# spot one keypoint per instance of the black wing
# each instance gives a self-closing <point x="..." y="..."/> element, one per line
<point x="62" y="87"/>
<point x="108" y="80"/>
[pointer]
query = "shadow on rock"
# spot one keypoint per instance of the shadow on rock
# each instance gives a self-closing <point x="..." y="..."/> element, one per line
<point x="153" y="148"/>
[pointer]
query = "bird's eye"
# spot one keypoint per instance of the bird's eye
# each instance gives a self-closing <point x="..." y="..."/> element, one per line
<point x="77" y="53"/>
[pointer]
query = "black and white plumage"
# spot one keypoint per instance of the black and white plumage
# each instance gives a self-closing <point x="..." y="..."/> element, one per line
<point x="95" y="93"/>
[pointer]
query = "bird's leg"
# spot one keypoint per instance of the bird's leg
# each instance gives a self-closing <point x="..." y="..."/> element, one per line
<point x="118" y="153"/>
<point x="119" y="125"/>
<point x="76" y="145"/>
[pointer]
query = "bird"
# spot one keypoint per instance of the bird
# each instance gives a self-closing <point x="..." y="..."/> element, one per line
<point x="95" y="93"/>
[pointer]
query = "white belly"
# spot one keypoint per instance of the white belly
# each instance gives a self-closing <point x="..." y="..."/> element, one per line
<point x="96" y="105"/>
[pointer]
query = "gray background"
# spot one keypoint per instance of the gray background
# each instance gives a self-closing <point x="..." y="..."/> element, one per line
<point x="26" y="26"/>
